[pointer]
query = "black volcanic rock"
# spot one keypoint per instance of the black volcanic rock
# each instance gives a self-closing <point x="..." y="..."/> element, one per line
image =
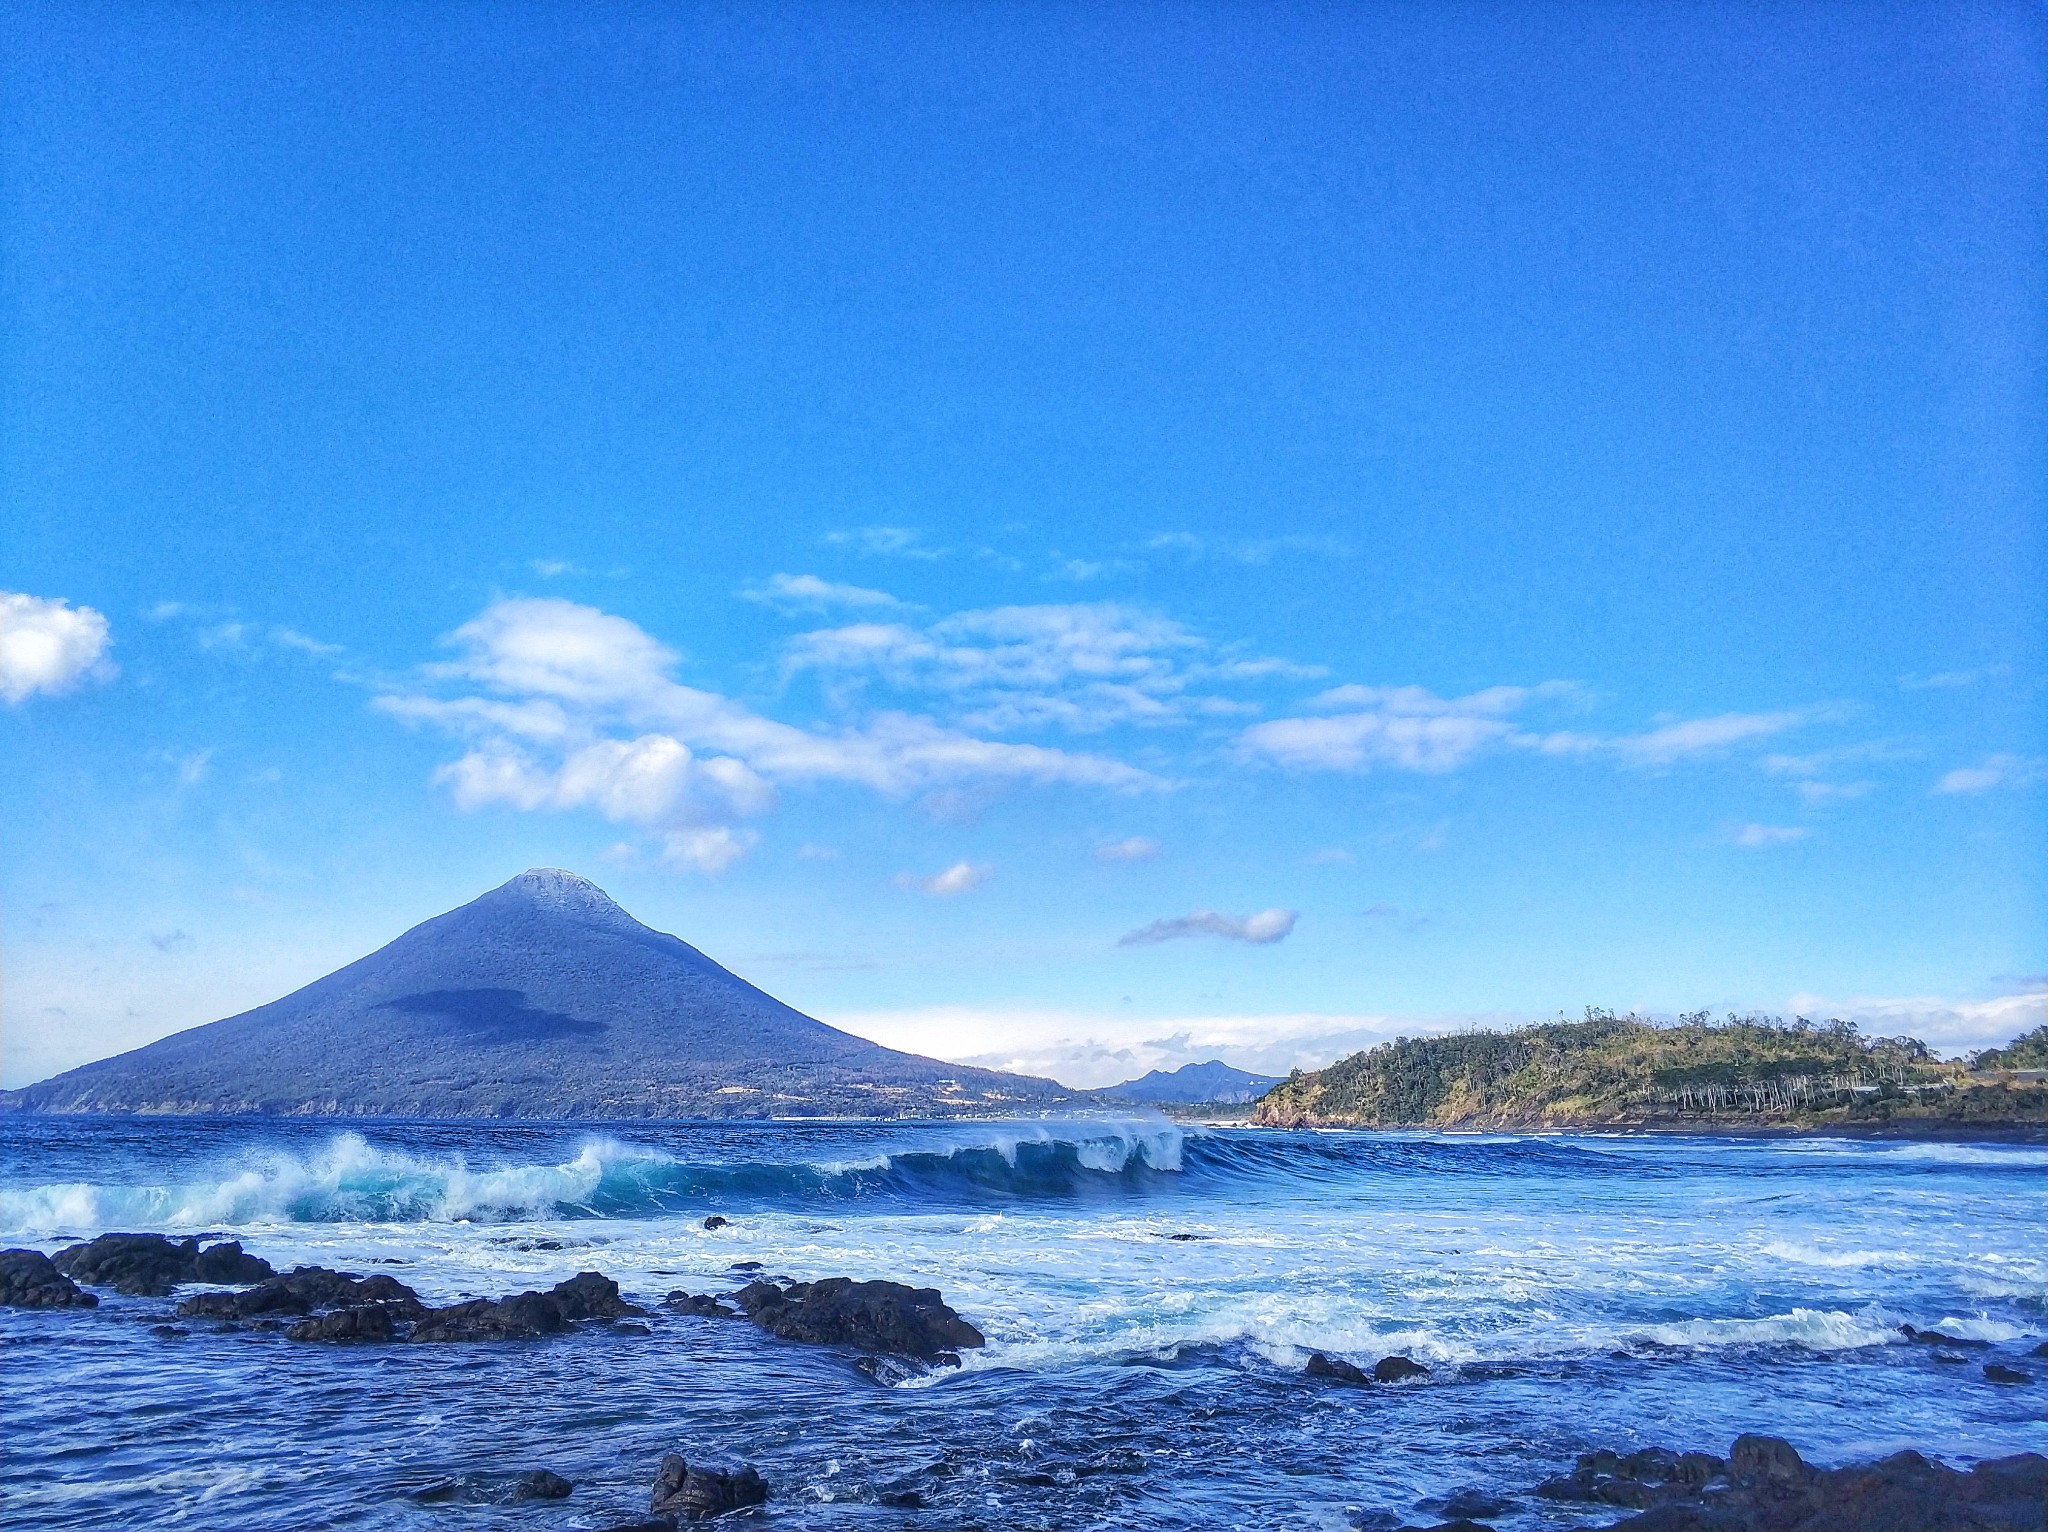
<point x="29" y="1281"/>
<point x="541" y="999"/>
<point x="871" y="1316"/>
<point x="149" y="1265"/>
<point x="698" y="1494"/>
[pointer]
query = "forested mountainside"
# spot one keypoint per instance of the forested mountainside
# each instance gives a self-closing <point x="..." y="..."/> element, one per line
<point x="1610" y="1071"/>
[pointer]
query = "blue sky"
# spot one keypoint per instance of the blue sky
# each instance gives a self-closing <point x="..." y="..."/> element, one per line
<point x="1078" y="537"/>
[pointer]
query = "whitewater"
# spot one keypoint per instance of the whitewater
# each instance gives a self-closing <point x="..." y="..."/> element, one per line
<point x="1150" y="1293"/>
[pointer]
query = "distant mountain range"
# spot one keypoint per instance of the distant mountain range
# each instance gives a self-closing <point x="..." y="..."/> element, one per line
<point x="541" y="999"/>
<point x="1193" y="1085"/>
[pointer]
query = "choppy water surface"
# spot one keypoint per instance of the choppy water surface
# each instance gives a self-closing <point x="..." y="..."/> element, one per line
<point x="1566" y="1292"/>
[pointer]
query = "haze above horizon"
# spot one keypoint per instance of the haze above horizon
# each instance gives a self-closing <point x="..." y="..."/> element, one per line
<point x="1073" y="541"/>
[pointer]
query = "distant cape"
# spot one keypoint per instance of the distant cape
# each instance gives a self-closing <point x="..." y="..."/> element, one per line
<point x="541" y="999"/>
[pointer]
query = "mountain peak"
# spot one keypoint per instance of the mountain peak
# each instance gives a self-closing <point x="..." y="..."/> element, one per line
<point x="553" y="888"/>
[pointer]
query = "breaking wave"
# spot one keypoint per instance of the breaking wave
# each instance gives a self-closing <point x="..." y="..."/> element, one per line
<point x="349" y="1179"/>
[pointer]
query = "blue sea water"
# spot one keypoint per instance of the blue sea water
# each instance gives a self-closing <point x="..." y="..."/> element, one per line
<point x="1566" y="1293"/>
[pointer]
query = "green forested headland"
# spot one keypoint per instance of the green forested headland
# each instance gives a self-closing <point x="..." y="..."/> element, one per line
<point x="1610" y="1071"/>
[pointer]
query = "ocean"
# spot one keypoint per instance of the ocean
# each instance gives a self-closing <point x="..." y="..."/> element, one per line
<point x="1149" y="1291"/>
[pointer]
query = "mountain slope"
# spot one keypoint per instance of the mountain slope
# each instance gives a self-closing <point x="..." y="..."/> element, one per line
<point x="1623" y="1072"/>
<point x="1193" y="1085"/>
<point x="544" y="999"/>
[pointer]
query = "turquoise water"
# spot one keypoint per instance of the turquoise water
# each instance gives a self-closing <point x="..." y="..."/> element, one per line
<point x="1567" y="1292"/>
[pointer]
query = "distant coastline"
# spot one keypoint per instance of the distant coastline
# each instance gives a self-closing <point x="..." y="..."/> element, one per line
<point x="1608" y="1073"/>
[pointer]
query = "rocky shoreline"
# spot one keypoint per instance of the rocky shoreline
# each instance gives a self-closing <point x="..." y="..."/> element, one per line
<point x="894" y="1331"/>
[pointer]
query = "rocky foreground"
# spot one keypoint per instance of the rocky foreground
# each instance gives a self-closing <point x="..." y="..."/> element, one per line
<point x="893" y="1330"/>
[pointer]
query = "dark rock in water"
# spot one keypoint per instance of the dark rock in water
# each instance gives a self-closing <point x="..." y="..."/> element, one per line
<point x="167" y="1332"/>
<point x="540" y="1484"/>
<point x="521" y="1316"/>
<point x="1937" y="1338"/>
<point x="697" y="1494"/>
<point x="371" y="1322"/>
<point x="900" y="1499"/>
<point x="149" y="1265"/>
<point x="304" y="1290"/>
<point x="704" y="1305"/>
<point x="1336" y="1371"/>
<point x="592" y="1295"/>
<point x="229" y="1265"/>
<point x="744" y="1266"/>
<point x="716" y="1222"/>
<point x="1185" y="1238"/>
<point x="1765" y="1486"/>
<point x="1460" y="1525"/>
<point x="630" y="1327"/>
<point x="29" y="1280"/>
<point x="1638" y="1480"/>
<point x="873" y="1316"/>
<point x="1998" y="1373"/>
<point x="2040" y="1350"/>
<point x="497" y="1489"/>
<point x="1396" y="1369"/>
<point x="1468" y="1505"/>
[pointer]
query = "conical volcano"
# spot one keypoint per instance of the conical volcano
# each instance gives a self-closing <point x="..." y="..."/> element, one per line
<point x="541" y="999"/>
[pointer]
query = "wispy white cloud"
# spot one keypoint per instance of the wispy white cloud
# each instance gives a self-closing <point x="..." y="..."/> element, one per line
<point x="1081" y="667"/>
<point x="886" y="542"/>
<point x="808" y="592"/>
<point x="1133" y="848"/>
<point x="571" y="707"/>
<point x="708" y="849"/>
<point x="1754" y="837"/>
<point x="1948" y="1025"/>
<point x="2002" y="770"/>
<point x="552" y="569"/>
<point x="1260" y="930"/>
<point x="1255" y="550"/>
<point x="1406" y="727"/>
<point x="960" y="878"/>
<point x="48" y="645"/>
<point x="1686" y="739"/>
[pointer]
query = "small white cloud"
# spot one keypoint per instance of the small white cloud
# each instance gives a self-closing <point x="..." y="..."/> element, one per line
<point x="47" y="645"/>
<point x="811" y="851"/>
<point x="810" y="593"/>
<point x="551" y="569"/>
<point x="1406" y="727"/>
<point x="1997" y="771"/>
<point x="1942" y="681"/>
<point x="1831" y="792"/>
<point x="1754" y="837"/>
<point x="957" y="879"/>
<point x="192" y="768"/>
<point x="1333" y="856"/>
<point x="709" y="850"/>
<point x="888" y="542"/>
<point x="290" y="638"/>
<point x="1262" y="929"/>
<point x="1135" y="848"/>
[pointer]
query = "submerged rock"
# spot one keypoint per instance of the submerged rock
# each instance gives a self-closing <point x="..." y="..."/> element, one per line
<point x="703" y="1305"/>
<point x="29" y="1280"/>
<point x="716" y="1221"/>
<point x="540" y="1484"/>
<point x="872" y="1316"/>
<point x="697" y="1494"/>
<point x="1937" y="1338"/>
<point x="149" y="1265"/>
<point x="1999" y="1373"/>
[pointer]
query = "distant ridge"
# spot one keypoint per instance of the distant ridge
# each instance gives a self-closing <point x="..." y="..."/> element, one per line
<point x="540" y="999"/>
<point x="1193" y="1085"/>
